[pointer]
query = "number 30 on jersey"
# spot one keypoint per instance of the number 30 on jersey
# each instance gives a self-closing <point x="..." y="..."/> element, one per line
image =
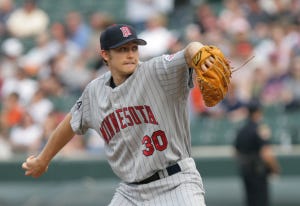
<point x="157" y="141"/>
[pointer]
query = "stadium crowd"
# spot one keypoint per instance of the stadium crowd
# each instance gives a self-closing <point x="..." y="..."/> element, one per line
<point x="40" y="84"/>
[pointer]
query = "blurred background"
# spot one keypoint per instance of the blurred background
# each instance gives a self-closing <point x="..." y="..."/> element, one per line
<point x="50" y="51"/>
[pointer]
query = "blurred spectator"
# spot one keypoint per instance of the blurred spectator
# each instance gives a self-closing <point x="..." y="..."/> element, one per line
<point x="192" y="33"/>
<point x="65" y="55"/>
<point x="278" y="47"/>
<point x="259" y="33"/>
<point x="157" y="35"/>
<point x="292" y="40"/>
<point x="78" y="31"/>
<point x="233" y="107"/>
<point x="273" y="89"/>
<point x="259" y="79"/>
<point x="75" y="78"/>
<point x="6" y="8"/>
<point x="12" y="50"/>
<point x="255" y="157"/>
<point x="36" y="59"/>
<point x="11" y="112"/>
<point x="294" y="11"/>
<point x="21" y="84"/>
<point x="176" y="44"/>
<point x="60" y="45"/>
<point x="205" y="18"/>
<point x="24" y="137"/>
<point x="40" y="107"/>
<point x="295" y="50"/>
<point x="232" y="18"/>
<point x="209" y="25"/>
<point x="28" y="20"/>
<point x="98" y="21"/>
<point x="256" y="14"/>
<point x="59" y="95"/>
<point x="242" y="47"/>
<point x="279" y="9"/>
<point x="243" y="78"/>
<point x="139" y="11"/>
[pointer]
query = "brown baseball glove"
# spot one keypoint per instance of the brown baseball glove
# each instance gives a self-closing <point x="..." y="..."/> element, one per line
<point x="213" y="74"/>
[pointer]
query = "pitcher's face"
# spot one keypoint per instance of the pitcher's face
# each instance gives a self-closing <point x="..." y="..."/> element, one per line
<point x="122" y="60"/>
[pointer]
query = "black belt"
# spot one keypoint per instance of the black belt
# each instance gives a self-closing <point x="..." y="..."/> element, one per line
<point x="171" y="170"/>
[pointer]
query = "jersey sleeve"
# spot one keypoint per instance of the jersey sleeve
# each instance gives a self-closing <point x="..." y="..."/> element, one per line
<point x="80" y="112"/>
<point x="173" y="73"/>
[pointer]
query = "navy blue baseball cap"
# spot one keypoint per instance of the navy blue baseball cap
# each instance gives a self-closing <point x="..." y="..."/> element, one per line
<point x="118" y="34"/>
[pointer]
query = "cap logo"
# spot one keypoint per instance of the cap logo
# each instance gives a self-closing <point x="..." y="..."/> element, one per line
<point x="125" y="31"/>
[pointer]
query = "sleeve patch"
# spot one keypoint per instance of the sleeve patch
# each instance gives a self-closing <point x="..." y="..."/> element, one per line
<point x="169" y="57"/>
<point x="78" y="105"/>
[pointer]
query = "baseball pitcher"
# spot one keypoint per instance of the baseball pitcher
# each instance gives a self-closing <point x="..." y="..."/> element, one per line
<point x="140" y="110"/>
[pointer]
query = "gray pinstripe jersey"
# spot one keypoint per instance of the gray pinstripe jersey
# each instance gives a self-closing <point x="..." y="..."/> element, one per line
<point x="144" y="121"/>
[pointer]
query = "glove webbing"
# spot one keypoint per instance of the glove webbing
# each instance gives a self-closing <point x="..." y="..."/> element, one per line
<point x="224" y="78"/>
